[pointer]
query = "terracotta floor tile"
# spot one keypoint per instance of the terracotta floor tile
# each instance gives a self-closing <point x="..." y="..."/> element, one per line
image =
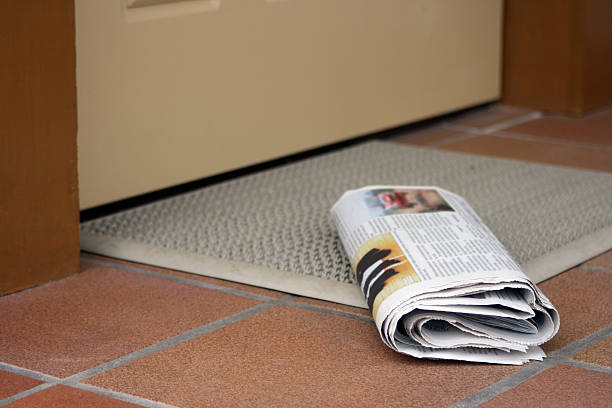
<point x="61" y="396"/>
<point x="600" y="354"/>
<point x="602" y="261"/>
<point x="426" y="136"/>
<point x="583" y="300"/>
<point x="491" y="116"/>
<point x="542" y="152"/>
<point x="100" y="314"/>
<point x="220" y="282"/>
<point x="293" y="357"/>
<point x="11" y="384"/>
<point x="334" y="306"/>
<point x="595" y="128"/>
<point x="559" y="386"/>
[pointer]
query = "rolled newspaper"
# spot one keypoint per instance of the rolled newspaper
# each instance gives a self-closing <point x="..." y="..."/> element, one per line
<point x="437" y="281"/>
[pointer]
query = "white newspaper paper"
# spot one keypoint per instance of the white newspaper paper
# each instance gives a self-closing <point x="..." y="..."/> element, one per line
<point x="438" y="282"/>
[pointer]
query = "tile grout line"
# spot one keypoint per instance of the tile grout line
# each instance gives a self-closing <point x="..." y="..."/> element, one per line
<point x="133" y="399"/>
<point x="452" y="139"/>
<point x="175" y="340"/>
<point x="327" y="311"/>
<point x="512" y="122"/>
<point x="90" y="388"/>
<point x="558" y="357"/>
<point x="594" y="268"/>
<point x="507" y="383"/>
<point x="589" y="366"/>
<point x="28" y="373"/>
<point x="494" y="127"/>
<point x="26" y="393"/>
<point x="220" y="288"/>
<point x="74" y="380"/>
<point x="462" y="128"/>
<point x="186" y="281"/>
<point x="550" y="140"/>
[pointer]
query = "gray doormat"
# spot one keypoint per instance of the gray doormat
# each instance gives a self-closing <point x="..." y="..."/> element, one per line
<point x="272" y="229"/>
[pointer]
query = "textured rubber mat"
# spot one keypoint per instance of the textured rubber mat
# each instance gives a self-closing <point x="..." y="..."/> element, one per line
<point x="549" y="218"/>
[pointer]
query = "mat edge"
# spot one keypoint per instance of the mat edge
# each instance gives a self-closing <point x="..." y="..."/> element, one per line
<point x="539" y="269"/>
<point x="235" y="271"/>
<point x="569" y="256"/>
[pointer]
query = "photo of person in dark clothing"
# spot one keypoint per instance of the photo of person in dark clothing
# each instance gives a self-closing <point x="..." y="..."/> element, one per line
<point x="381" y="267"/>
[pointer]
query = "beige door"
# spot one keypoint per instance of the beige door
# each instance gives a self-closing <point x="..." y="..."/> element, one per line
<point x="172" y="91"/>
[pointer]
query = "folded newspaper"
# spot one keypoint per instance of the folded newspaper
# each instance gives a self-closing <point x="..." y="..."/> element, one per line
<point x="437" y="281"/>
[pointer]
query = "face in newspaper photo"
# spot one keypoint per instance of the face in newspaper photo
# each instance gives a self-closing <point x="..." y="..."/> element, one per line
<point x="381" y="267"/>
<point x="405" y="201"/>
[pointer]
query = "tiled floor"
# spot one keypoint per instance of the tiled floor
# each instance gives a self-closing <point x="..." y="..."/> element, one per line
<point x="121" y="334"/>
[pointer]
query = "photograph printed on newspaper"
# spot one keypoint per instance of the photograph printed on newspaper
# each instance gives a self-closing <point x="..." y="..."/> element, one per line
<point x="437" y="281"/>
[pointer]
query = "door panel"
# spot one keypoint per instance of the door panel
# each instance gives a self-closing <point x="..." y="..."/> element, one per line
<point x="172" y="91"/>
